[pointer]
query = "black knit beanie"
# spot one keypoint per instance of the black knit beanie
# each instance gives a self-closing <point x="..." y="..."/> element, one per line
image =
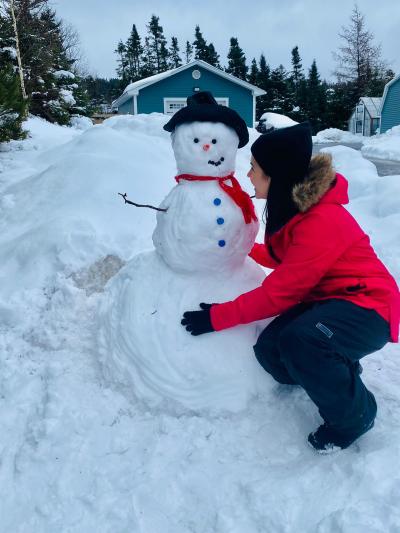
<point x="284" y="155"/>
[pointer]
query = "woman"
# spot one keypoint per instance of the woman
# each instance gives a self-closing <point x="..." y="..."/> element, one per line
<point x="334" y="300"/>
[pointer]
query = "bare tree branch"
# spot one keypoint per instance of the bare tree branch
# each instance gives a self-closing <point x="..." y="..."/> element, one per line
<point x="140" y="205"/>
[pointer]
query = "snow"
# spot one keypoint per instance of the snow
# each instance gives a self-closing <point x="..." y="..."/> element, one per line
<point x="384" y="146"/>
<point x="275" y="120"/>
<point x="78" y="451"/>
<point x="67" y="96"/>
<point x="335" y="135"/>
<point x="81" y="122"/>
<point x="12" y="51"/>
<point x="64" y="74"/>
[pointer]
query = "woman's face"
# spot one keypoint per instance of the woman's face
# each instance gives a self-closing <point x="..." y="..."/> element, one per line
<point x="259" y="180"/>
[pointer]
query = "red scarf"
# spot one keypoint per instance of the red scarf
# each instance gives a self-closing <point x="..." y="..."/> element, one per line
<point x="238" y="195"/>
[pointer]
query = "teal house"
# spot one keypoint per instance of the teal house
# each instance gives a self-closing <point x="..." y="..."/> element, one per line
<point x="167" y="92"/>
<point x="390" y="108"/>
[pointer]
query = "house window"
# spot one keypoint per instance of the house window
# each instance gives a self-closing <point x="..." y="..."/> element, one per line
<point x="196" y="74"/>
<point x="359" y="126"/>
<point x="172" y="105"/>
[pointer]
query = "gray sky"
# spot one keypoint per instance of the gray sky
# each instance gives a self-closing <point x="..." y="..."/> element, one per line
<point x="273" y="27"/>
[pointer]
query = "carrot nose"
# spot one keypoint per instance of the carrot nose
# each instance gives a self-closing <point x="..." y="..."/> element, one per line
<point x="206" y="147"/>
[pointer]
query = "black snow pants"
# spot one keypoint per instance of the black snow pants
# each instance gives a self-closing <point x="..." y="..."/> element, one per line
<point x="318" y="345"/>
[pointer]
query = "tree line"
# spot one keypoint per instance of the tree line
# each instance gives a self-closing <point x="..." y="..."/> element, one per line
<point x="39" y="74"/>
<point x="297" y="92"/>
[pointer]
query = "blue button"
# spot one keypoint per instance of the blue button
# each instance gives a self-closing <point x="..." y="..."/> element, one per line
<point x="221" y="243"/>
<point x="217" y="201"/>
<point x="220" y="220"/>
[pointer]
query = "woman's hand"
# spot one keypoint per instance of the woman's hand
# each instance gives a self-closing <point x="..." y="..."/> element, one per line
<point x="198" y="322"/>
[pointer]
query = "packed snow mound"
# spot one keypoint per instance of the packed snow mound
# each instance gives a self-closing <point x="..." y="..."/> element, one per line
<point x="147" y="124"/>
<point x="360" y="173"/>
<point x="384" y="146"/>
<point x="80" y="122"/>
<point x="275" y="120"/>
<point x="66" y="223"/>
<point x="331" y="135"/>
<point x="388" y="196"/>
<point x="145" y="349"/>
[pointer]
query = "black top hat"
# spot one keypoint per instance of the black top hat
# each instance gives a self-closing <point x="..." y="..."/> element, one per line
<point x="203" y="107"/>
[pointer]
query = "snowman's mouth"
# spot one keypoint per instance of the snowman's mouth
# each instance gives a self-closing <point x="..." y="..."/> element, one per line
<point x="216" y="163"/>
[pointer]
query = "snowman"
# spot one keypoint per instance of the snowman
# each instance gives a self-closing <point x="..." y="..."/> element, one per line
<point x="205" y="228"/>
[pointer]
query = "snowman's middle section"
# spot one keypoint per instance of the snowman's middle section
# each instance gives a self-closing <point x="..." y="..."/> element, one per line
<point x="203" y="229"/>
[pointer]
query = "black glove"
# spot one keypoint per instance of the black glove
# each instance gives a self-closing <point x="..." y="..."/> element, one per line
<point x="198" y="322"/>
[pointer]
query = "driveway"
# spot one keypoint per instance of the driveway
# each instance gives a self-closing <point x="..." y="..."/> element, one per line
<point x="383" y="166"/>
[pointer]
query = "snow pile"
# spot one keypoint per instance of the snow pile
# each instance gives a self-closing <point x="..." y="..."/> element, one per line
<point x="140" y="124"/>
<point x="80" y="122"/>
<point x="331" y="135"/>
<point x="384" y="146"/>
<point x="275" y="120"/>
<point x="76" y="454"/>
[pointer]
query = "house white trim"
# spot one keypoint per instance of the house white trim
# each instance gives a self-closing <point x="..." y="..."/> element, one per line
<point x="386" y="90"/>
<point x="168" y="100"/>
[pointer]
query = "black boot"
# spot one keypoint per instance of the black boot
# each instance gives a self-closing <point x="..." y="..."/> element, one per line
<point x="327" y="440"/>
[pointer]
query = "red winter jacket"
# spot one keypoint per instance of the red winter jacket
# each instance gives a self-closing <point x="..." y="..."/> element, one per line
<point x="319" y="254"/>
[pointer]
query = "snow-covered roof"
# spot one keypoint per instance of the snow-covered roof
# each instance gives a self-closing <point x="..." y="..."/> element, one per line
<point x="134" y="88"/>
<point x="396" y="78"/>
<point x="373" y="105"/>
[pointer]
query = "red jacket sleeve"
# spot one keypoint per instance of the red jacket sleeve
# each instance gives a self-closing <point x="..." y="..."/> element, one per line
<point x="318" y="240"/>
<point x="261" y="256"/>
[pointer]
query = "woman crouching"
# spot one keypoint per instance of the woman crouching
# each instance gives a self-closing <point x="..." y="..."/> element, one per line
<point x="334" y="300"/>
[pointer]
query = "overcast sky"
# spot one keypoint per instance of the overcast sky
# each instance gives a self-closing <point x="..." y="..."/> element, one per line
<point x="272" y="27"/>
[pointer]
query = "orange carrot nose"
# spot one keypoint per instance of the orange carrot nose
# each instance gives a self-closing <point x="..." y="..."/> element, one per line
<point x="206" y="147"/>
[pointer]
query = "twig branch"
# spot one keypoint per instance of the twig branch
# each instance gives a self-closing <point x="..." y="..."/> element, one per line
<point x="140" y="205"/>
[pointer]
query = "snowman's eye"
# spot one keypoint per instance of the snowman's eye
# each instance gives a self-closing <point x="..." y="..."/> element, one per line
<point x="196" y="140"/>
<point x="214" y="141"/>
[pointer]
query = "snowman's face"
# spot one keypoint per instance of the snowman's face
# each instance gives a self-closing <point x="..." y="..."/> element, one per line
<point x="205" y="148"/>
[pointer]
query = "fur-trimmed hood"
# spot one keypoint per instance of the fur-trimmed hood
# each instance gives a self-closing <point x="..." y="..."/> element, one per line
<point x="319" y="180"/>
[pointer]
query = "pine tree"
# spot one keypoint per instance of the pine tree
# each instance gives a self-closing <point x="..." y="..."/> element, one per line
<point x="254" y="73"/>
<point x="133" y="52"/>
<point x="297" y="89"/>
<point x="188" y="52"/>
<point x="175" y="60"/>
<point x="149" y="66"/>
<point x="122" y="68"/>
<point x="316" y="99"/>
<point x="212" y="57"/>
<point x="236" y="60"/>
<point x="263" y="82"/>
<point x="200" y="45"/>
<point x="12" y="104"/>
<point x="157" y="44"/>
<point x="279" y="101"/>
<point x="44" y="57"/>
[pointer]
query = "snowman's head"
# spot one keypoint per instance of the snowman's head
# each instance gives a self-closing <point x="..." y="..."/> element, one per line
<point x="205" y="148"/>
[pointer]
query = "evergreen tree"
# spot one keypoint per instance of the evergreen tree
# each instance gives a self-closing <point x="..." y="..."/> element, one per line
<point x="149" y="66"/>
<point x="254" y="73"/>
<point x="157" y="45"/>
<point x="133" y="52"/>
<point x="174" y="57"/>
<point x="188" y="52"/>
<point x="236" y="60"/>
<point x="200" y="46"/>
<point x="12" y="105"/>
<point x="279" y="93"/>
<point x="316" y="99"/>
<point x="297" y="88"/>
<point x="263" y="103"/>
<point x="45" y="59"/>
<point x="212" y="57"/>
<point x="122" y="68"/>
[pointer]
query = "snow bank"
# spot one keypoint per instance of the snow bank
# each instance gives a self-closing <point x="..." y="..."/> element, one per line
<point x="76" y="454"/>
<point x="275" y="120"/>
<point x="80" y="122"/>
<point x="331" y="135"/>
<point x="385" y="146"/>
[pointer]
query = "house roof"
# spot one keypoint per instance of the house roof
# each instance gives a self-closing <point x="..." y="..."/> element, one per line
<point x="373" y="105"/>
<point x="134" y="88"/>
<point x="391" y="82"/>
